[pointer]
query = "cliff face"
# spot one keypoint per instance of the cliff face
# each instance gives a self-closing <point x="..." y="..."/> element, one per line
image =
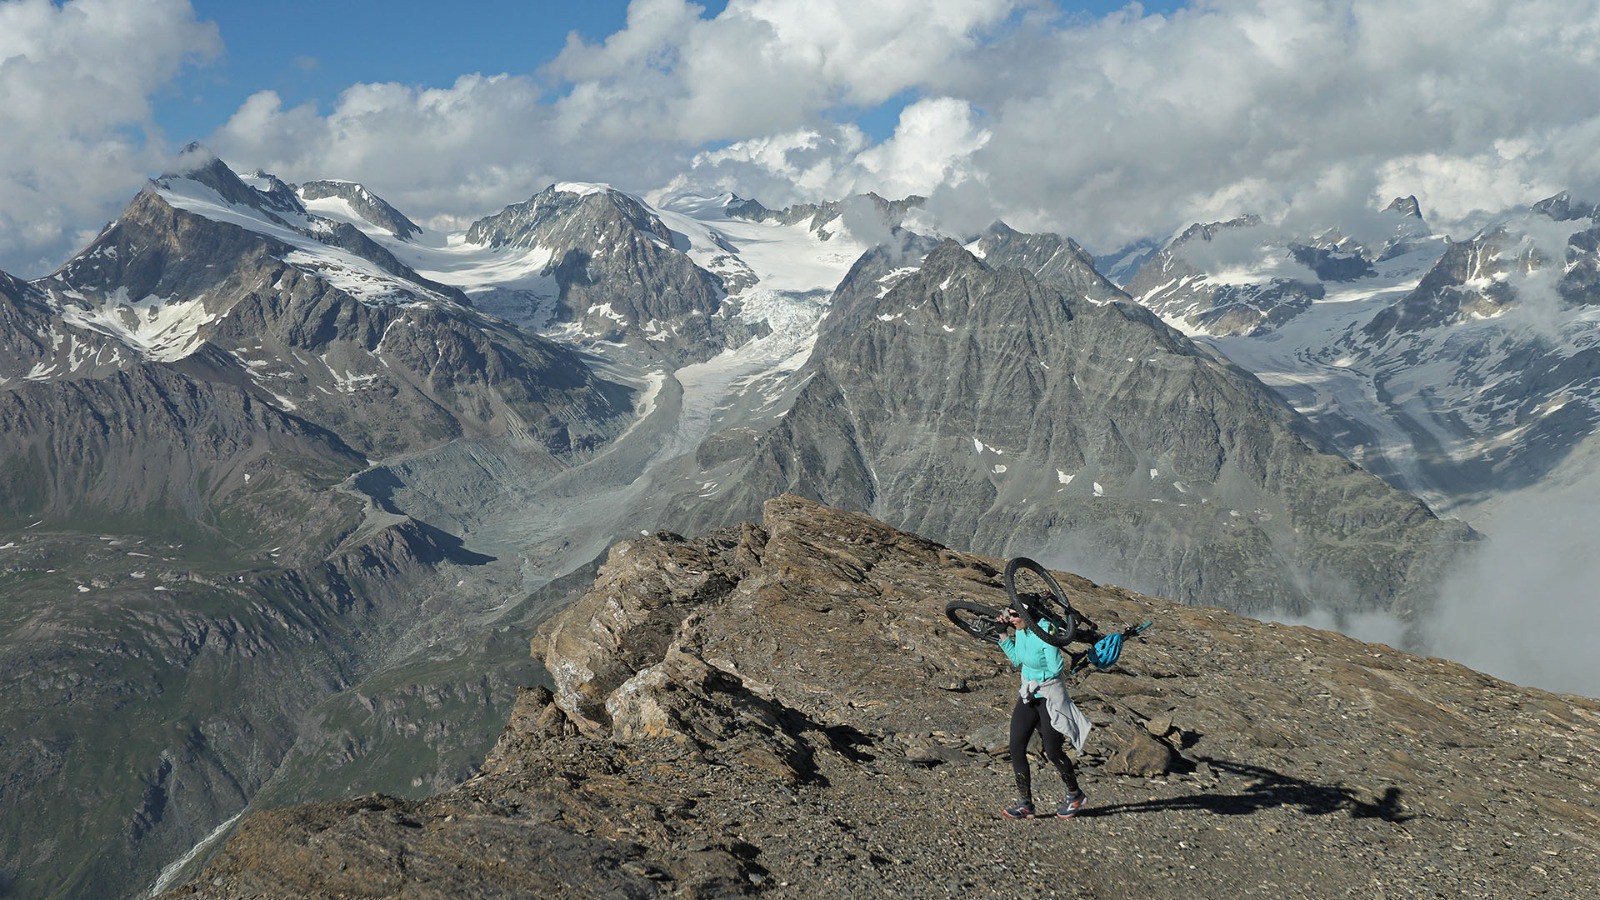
<point x="783" y="707"/>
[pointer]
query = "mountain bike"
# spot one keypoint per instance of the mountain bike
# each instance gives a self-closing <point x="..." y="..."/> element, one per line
<point x="1047" y="613"/>
<point x="1037" y="601"/>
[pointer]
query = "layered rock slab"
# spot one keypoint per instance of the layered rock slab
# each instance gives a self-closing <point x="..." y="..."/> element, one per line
<point x="782" y="708"/>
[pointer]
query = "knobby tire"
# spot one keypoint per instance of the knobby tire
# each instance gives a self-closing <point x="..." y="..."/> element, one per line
<point x="1055" y="607"/>
<point x="982" y="622"/>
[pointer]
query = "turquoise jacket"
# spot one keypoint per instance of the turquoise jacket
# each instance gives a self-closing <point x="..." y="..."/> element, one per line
<point x="1039" y="661"/>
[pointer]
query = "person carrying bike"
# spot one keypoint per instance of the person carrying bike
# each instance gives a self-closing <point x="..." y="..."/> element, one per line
<point x="1042" y="706"/>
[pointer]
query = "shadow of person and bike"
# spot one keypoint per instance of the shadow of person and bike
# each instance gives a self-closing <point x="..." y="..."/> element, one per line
<point x="1268" y="789"/>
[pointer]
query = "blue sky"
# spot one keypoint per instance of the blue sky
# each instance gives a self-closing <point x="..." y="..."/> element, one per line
<point x="310" y="50"/>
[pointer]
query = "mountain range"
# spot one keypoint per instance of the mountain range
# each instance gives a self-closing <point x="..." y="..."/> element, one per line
<point x="287" y="476"/>
<point x="1456" y="370"/>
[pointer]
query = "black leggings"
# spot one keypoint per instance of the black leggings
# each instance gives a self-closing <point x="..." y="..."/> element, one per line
<point x="1026" y="717"/>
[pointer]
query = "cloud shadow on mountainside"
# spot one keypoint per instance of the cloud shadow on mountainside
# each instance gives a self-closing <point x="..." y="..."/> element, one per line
<point x="1269" y="790"/>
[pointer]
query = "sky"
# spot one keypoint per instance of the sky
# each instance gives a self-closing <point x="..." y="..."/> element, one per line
<point x="1108" y="122"/>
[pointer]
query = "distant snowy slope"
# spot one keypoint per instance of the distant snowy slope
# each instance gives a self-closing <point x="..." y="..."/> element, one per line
<point x="1456" y="370"/>
<point x="317" y="240"/>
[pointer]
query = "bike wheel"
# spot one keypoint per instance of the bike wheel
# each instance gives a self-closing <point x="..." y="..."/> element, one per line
<point x="1035" y="608"/>
<point x="982" y="622"/>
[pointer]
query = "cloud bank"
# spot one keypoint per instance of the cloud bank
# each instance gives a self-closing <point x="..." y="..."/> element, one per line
<point x="75" y="88"/>
<point x="1524" y="607"/>
<point x="1109" y="130"/>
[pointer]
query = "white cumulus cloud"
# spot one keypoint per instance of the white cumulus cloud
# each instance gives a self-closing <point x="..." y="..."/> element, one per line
<point x="755" y="100"/>
<point x="438" y="153"/>
<point x="75" y="88"/>
<point x="765" y="66"/>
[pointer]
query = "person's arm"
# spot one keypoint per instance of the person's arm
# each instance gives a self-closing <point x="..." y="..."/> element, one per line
<point x="1008" y="644"/>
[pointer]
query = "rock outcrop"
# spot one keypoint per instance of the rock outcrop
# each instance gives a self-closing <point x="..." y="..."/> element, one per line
<point x="783" y="708"/>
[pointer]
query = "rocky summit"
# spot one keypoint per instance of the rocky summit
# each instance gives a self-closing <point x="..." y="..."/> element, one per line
<point x="783" y="709"/>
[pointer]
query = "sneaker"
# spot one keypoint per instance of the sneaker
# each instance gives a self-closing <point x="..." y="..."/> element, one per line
<point x="1023" y="810"/>
<point x="1070" y="808"/>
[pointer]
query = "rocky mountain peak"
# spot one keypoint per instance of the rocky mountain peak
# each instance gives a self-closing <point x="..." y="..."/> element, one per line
<point x="1177" y="285"/>
<point x="949" y="259"/>
<point x="981" y="404"/>
<point x="1206" y="231"/>
<point x="552" y="218"/>
<point x="1405" y="206"/>
<point x="1563" y="208"/>
<point x="783" y="706"/>
<point x="1469" y="281"/>
<point x="925" y="284"/>
<point x="1056" y="260"/>
<point x="200" y="165"/>
<point x="623" y="275"/>
<point x="818" y="217"/>
<point x="275" y="193"/>
<point x="363" y="203"/>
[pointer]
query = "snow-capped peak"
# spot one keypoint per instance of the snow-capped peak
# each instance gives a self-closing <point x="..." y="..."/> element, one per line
<point x="193" y="158"/>
<point x="320" y="245"/>
<point x="581" y="188"/>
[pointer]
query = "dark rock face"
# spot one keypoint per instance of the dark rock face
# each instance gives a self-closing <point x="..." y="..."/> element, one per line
<point x="1580" y="283"/>
<point x="1056" y="261"/>
<point x="980" y="405"/>
<point x="212" y="172"/>
<point x="34" y="344"/>
<point x="150" y="440"/>
<point x="621" y="275"/>
<point x="1467" y="281"/>
<point x="1331" y="264"/>
<point x="1563" y="208"/>
<point x="154" y="249"/>
<point x="783" y="707"/>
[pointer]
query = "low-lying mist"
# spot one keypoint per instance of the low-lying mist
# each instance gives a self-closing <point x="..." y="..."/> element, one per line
<point x="1526" y="606"/>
